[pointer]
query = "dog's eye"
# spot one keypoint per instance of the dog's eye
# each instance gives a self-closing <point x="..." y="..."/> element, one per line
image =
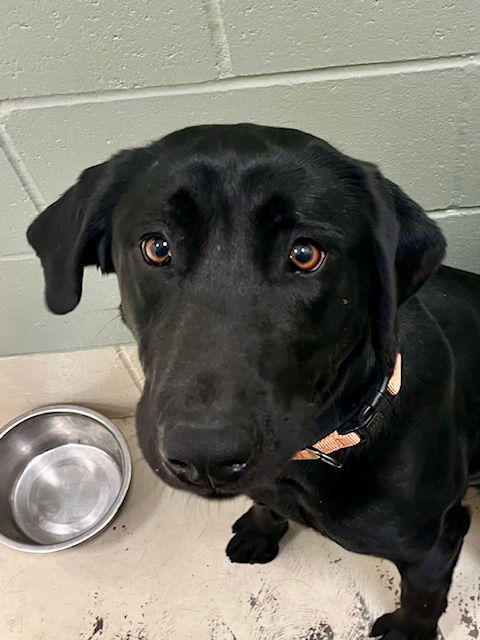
<point x="156" y="251"/>
<point x="306" y="256"/>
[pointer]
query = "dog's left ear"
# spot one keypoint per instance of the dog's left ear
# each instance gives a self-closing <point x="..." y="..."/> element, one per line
<point x="74" y="231"/>
<point x="407" y="245"/>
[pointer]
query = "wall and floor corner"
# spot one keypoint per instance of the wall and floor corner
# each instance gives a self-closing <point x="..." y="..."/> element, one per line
<point x="397" y="83"/>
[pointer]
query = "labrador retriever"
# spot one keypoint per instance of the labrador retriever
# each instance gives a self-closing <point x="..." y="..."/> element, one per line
<point x="300" y="342"/>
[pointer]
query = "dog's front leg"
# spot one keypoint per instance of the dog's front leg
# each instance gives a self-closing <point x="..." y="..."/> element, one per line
<point x="425" y="584"/>
<point x="257" y="534"/>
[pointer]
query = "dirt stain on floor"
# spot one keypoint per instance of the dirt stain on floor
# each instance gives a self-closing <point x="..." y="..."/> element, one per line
<point x="323" y="631"/>
<point x="97" y="627"/>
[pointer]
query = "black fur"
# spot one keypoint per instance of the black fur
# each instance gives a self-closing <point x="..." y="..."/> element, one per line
<point x="243" y="357"/>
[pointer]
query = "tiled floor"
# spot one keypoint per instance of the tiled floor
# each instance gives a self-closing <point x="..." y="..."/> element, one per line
<point x="159" y="572"/>
<point x="108" y="380"/>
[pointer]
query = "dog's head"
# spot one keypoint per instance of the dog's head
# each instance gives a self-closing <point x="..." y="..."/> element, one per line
<point x="260" y="271"/>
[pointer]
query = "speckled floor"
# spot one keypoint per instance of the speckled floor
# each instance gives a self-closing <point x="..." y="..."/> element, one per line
<point x="160" y="572"/>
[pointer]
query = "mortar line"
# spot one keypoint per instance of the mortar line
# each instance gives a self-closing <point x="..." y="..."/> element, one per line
<point x="454" y="212"/>
<point x="17" y="164"/>
<point x="17" y="257"/>
<point x="219" y="39"/>
<point x="284" y="78"/>
<point x="129" y="366"/>
<point x="462" y="137"/>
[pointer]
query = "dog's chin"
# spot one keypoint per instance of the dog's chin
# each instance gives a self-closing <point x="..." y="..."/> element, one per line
<point x="200" y="490"/>
<point x="217" y="494"/>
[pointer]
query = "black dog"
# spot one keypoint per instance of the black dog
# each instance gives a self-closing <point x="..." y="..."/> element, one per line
<point x="270" y="282"/>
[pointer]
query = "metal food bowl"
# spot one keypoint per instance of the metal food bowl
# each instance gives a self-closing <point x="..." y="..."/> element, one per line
<point x="64" y="472"/>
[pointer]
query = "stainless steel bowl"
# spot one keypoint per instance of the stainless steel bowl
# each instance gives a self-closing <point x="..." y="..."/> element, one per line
<point x="64" y="472"/>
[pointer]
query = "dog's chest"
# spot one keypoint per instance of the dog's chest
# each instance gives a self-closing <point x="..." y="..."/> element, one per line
<point x="342" y="509"/>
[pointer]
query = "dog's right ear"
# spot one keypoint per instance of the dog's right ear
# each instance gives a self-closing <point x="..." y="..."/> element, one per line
<point x="75" y="231"/>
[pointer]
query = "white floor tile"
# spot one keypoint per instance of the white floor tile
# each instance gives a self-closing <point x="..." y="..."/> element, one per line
<point x="96" y="378"/>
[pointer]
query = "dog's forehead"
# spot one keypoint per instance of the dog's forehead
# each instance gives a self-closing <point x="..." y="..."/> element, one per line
<point x="236" y="175"/>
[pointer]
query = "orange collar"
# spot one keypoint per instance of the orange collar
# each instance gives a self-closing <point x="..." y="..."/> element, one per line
<point x="336" y="441"/>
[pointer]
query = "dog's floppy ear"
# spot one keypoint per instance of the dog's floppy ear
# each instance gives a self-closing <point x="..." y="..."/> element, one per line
<point x="407" y="245"/>
<point x="74" y="231"/>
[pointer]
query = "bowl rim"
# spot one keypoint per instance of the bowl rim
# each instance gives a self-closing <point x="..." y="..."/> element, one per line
<point x="126" y="476"/>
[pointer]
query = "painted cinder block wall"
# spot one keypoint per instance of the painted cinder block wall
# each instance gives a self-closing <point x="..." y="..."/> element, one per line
<point x="392" y="81"/>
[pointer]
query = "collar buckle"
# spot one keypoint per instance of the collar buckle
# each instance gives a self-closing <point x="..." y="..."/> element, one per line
<point x="324" y="457"/>
<point x="346" y="434"/>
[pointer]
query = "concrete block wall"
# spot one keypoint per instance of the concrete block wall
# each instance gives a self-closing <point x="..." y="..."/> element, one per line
<point x="393" y="81"/>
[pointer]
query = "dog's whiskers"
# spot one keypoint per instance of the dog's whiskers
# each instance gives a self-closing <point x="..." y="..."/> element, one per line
<point x="108" y="323"/>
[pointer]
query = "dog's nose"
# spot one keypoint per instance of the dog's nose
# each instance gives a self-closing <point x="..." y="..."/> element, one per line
<point x="208" y="472"/>
<point x="207" y="454"/>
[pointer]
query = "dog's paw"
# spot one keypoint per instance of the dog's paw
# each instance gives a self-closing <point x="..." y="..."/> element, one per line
<point x="244" y="523"/>
<point x="395" y="626"/>
<point x="252" y="547"/>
